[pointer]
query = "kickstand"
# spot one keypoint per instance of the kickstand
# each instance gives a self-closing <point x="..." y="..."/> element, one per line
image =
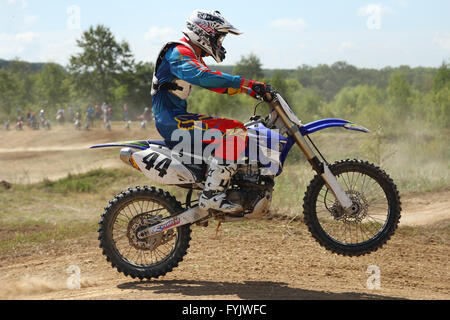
<point x="217" y="230"/>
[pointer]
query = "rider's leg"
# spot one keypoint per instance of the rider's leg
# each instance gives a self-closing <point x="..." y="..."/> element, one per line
<point x="223" y="166"/>
<point x="217" y="181"/>
<point x="228" y="150"/>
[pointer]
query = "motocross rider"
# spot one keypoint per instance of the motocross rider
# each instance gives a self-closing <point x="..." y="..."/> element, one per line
<point x="179" y="66"/>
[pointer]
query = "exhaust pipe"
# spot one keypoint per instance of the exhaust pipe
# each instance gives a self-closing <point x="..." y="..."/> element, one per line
<point x="126" y="155"/>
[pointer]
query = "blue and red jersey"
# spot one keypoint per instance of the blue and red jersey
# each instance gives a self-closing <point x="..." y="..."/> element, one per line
<point x="170" y="111"/>
<point x="181" y="63"/>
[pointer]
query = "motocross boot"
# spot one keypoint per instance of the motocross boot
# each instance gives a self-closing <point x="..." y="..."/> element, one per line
<point x="214" y="196"/>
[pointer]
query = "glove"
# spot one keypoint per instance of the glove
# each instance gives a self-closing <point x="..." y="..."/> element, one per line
<point x="255" y="89"/>
<point x="259" y="88"/>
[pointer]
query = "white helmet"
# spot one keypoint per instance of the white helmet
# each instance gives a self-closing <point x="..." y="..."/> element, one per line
<point x="207" y="29"/>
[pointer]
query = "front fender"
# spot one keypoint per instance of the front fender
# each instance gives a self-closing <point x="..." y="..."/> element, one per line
<point x="328" y="123"/>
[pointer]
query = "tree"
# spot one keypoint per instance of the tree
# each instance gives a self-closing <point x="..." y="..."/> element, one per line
<point x="9" y="92"/>
<point x="399" y="91"/>
<point x="278" y="82"/>
<point x="97" y="68"/>
<point x="134" y="88"/>
<point x="52" y="86"/>
<point x="249" y="67"/>
<point x="442" y="77"/>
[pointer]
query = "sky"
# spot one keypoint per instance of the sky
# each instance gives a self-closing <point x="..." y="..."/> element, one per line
<point x="283" y="34"/>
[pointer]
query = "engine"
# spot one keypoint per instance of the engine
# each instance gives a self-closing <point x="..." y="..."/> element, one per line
<point x="251" y="190"/>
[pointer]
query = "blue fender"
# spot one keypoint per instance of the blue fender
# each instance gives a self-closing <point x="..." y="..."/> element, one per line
<point x="328" y="123"/>
<point x="139" y="145"/>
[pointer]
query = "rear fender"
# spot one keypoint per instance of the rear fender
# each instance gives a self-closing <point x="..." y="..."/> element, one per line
<point x="138" y="145"/>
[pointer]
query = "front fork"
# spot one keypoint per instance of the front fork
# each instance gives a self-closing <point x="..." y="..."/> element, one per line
<point x="320" y="167"/>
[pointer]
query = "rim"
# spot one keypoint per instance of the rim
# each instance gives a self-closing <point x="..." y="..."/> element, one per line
<point x="125" y="225"/>
<point x="368" y="216"/>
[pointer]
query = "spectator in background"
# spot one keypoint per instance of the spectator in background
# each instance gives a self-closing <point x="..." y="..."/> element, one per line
<point x="28" y="117"/>
<point x="108" y="113"/>
<point x="125" y="112"/>
<point x="104" y="108"/>
<point x="60" y="118"/>
<point x="90" y="115"/>
<point x="71" y="114"/>
<point x="147" y="114"/>
<point x="98" y="112"/>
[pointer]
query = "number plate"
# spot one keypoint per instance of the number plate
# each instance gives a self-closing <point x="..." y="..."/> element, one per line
<point x="158" y="165"/>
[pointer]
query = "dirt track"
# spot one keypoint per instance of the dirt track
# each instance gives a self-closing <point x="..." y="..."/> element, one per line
<point x="266" y="260"/>
<point x="275" y="259"/>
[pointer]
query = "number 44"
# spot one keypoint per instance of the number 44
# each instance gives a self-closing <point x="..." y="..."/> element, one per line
<point x="162" y="166"/>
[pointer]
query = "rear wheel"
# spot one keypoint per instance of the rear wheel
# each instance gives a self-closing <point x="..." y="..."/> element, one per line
<point x="370" y="222"/>
<point x="132" y="211"/>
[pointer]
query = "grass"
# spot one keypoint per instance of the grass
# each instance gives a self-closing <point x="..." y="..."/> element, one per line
<point x="92" y="181"/>
<point x="70" y="207"/>
<point x="16" y="237"/>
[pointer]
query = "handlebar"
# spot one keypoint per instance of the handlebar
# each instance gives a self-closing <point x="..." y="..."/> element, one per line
<point x="269" y="94"/>
<point x="264" y="92"/>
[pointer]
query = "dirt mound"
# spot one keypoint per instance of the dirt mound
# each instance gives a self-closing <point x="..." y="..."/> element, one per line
<point x="425" y="208"/>
<point x="30" y="156"/>
<point x="253" y="260"/>
<point x="65" y="137"/>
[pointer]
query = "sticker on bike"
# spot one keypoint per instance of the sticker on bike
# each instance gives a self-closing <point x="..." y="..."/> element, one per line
<point x="160" y="166"/>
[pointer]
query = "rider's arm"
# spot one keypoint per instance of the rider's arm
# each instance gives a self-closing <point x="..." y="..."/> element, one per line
<point x="185" y="66"/>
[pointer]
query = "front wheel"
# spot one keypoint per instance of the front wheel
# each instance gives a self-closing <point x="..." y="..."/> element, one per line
<point x="369" y="224"/>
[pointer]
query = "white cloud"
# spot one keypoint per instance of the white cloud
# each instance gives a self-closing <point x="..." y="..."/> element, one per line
<point x="59" y="50"/>
<point x="442" y="41"/>
<point x="26" y="37"/>
<point x="29" y="19"/>
<point x="22" y="3"/>
<point x="14" y="44"/>
<point x="160" y="34"/>
<point x="401" y="3"/>
<point x="346" y="46"/>
<point x="288" y="24"/>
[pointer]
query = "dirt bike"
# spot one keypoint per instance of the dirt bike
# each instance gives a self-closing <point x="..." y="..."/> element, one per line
<point x="351" y="207"/>
<point x="77" y="124"/>
<point x="60" y="119"/>
<point x="45" y="124"/>
<point x="19" y="125"/>
<point x="143" y="121"/>
<point x="108" y="125"/>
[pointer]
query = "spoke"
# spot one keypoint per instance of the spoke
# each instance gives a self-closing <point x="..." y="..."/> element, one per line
<point x="343" y="179"/>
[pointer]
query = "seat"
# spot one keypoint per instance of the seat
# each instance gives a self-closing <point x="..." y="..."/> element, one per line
<point x="158" y="143"/>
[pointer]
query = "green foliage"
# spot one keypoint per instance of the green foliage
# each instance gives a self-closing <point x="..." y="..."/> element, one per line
<point x="134" y="87"/>
<point x="249" y="67"/>
<point x="91" y="181"/>
<point x="54" y="86"/>
<point x="399" y="92"/>
<point x="9" y="89"/>
<point x="102" y="60"/>
<point x="440" y="108"/>
<point x="442" y="78"/>
<point x="105" y="70"/>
